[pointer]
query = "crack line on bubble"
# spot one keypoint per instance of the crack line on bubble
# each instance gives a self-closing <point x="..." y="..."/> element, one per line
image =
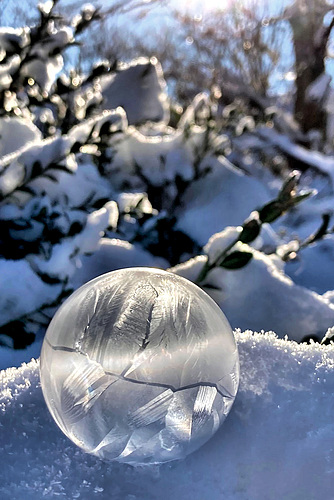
<point x="142" y="382"/>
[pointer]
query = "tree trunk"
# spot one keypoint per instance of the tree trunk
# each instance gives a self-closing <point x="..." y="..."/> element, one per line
<point x="310" y="38"/>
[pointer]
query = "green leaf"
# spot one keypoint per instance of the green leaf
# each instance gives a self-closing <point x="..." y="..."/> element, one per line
<point x="289" y="186"/>
<point x="300" y="197"/>
<point x="21" y="224"/>
<point x="75" y="228"/>
<point x="50" y="177"/>
<point x="18" y="331"/>
<point x="271" y="211"/>
<point x="211" y="287"/>
<point x="48" y="279"/>
<point x="37" y="169"/>
<point x="236" y="260"/>
<point x="250" y="231"/>
<point x="76" y="147"/>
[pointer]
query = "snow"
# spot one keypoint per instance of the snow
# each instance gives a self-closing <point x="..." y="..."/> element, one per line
<point x="20" y="279"/>
<point x="16" y="166"/>
<point x="6" y="70"/>
<point x="83" y="183"/>
<point x="115" y="117"/>
<point x="160" y="157"/>
<point x="315" y="159"/>
<point x="113" y="254"/>
<point x="277" y="441"/>
<point x="44" y="66"/>
<point x="260" y="295"/>
<point x="314" y="267"/>
<point x="44" y="73"/>
<point x="16" y="133"/>
<point x="139" y="89"/>
<point x="201" y="215"/>
<point x="10" y="37"/>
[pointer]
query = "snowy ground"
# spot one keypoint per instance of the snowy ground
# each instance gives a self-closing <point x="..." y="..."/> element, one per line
<point x="277" y="442"/>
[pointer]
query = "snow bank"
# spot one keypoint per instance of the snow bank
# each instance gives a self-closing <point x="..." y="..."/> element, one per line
<point x="15" y="133"/>
<point x="314" y="267"/>
<point x="277" y="441"/>
<point x="113" y="254"/>
<point x="260" y="295"/>
<point x="214" y="201"/>
<point x="139" y="88"/>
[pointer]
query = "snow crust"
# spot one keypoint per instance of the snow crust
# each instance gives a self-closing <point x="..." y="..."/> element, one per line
<point x="277" y="441"/>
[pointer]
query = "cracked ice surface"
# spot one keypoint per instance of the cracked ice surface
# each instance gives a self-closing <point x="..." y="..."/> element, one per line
<point x="139" y="366"/>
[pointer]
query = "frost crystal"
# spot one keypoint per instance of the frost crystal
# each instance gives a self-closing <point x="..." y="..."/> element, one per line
<point x="139" y="366"/>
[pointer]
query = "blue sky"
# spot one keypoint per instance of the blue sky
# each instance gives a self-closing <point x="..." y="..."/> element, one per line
<point x="160" y="16"/>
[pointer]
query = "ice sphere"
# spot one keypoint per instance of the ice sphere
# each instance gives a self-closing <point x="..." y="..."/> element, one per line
<point x="140" y="366"/>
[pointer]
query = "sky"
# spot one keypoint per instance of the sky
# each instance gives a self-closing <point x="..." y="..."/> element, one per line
<point x="281" y="80"/>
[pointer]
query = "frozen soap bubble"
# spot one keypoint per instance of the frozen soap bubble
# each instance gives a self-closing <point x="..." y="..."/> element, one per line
<point x="140" y="366"/>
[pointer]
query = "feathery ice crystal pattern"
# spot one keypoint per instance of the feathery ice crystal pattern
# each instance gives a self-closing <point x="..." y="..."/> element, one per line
<point x="139" y="366"/>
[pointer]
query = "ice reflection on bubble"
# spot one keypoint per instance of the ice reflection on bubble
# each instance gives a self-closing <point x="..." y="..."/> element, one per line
<point x="140" y="366"/>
